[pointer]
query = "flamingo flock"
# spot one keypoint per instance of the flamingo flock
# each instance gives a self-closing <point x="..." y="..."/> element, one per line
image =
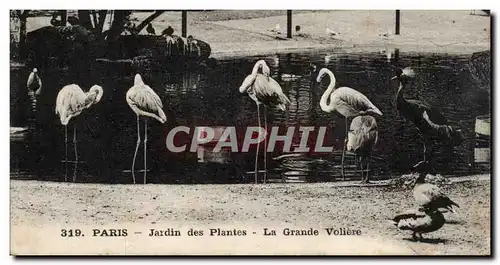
<point x="361" y="135"/>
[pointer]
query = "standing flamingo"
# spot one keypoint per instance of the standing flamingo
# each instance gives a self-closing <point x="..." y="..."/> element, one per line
<point x="70" y="102"/>
<point x="144" y="102"/>
<point x="263" y="89"/>
<point x="34" y="82"/>
<point x="346" y="101"/>
<point x="363" y="135"/>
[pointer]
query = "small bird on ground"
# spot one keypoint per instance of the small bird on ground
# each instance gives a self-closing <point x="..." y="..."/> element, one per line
<point x="150" y="29"/>
<point x="276" y="29"/>
<point x="331" y="32"/>
<point x="429" y="195"/>
<point x="419" y="221"/>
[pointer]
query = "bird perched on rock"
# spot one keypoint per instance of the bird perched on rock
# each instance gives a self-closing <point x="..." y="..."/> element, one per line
<point x="168" y="31"/>
<point x="419" y="221"/>
<point x="429" y="195"/>
<point x="150" y="29"/>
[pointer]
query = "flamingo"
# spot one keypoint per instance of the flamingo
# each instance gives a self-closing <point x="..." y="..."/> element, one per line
<point x="143" y="101"/>
<point x="429" y="121"/>
<point x="263" y="89"/>
<point x="34" y="82"/>
<point x="363" y="135"/>
<point x="346" y="101"/>
<point x="419" y="221"/>
<point x="70" y="102"/>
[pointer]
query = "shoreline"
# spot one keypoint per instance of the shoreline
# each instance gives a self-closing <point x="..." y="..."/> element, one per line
<point x="464" y="50"/>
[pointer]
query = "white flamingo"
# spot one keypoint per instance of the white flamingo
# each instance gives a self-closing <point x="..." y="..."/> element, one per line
<point x="263" y="89"/>
<point x="70" y="102"/>
<point x="34" y="82"/>
<point x="346" y="101"/>
<point x="362" y="137"/>
<point x="144" y="102"/>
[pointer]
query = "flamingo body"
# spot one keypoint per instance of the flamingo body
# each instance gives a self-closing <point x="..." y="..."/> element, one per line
<point x="346" y="101"/>
<point x="263" y="89"/>
<point x="71" y="101"/>
<point x="362" y="137"/>
<point x="144" y="101"/>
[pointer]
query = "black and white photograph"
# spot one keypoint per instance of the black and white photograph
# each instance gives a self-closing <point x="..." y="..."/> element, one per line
<point x="255" y="132"/>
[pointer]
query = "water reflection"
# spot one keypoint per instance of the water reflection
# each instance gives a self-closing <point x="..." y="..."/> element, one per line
<point x="210" y="97"/>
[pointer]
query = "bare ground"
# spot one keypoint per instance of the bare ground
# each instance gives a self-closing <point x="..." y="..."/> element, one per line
<point x="39" y="204"/>
<point x="237" y="33"/>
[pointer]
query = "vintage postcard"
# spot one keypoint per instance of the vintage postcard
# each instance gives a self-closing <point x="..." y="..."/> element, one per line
<point x="250" y="132"/>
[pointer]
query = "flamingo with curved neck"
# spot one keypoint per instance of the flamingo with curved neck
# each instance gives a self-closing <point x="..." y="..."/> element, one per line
<point x="324" y="98"/>
<point x="263" y="90"/>
<point x="346" y="101"/>
<point x="250" y="79"/>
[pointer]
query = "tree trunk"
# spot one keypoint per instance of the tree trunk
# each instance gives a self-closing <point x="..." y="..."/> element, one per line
<point x="119" y="20"/>
<point x="22" y="34"/>
<point x="148" y="20"/>
<point x="102" y="19"/>
<point x="85" y="20"/>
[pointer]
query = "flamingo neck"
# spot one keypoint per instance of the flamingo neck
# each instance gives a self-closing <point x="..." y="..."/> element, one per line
<point x="399" y="94"/>
<point x="256" y="68"/>
<point x="324" y="98"/>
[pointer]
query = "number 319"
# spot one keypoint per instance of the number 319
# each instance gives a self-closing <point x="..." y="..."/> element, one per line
<point x="70" y="232"/>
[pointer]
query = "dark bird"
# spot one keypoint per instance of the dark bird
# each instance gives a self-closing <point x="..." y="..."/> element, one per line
<point x="150" y="29"/>
<point x="431" y="124"/>
<point x="428" y="195"/>
<point x="362" y="137"/>
<point x="73" y="20"/>
<point x="34" y="83"/>
<point x="168" y="31"/>
<point x="419" y="221"/>
<point x="297" y="28"/>
<point x="56" y="22"/>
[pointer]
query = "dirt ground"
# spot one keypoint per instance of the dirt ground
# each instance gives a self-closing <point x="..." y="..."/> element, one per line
<point x="39" y="204"/>
<point x="237" y="32"/>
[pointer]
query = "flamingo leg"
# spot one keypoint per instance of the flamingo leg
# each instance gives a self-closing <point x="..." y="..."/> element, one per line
<point x="356" y="163"/>
<point x="343" y="149"/>
<point x="76" y="153"/>
<point x="136" y="148"/>
<point x="66" y="152"/>
<point x="74" y="142"/>
<point x="367" y="170"/>
<point x="258" y="146"/>
<point x="145" y="141"/>
<point x="265" y="144"/>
